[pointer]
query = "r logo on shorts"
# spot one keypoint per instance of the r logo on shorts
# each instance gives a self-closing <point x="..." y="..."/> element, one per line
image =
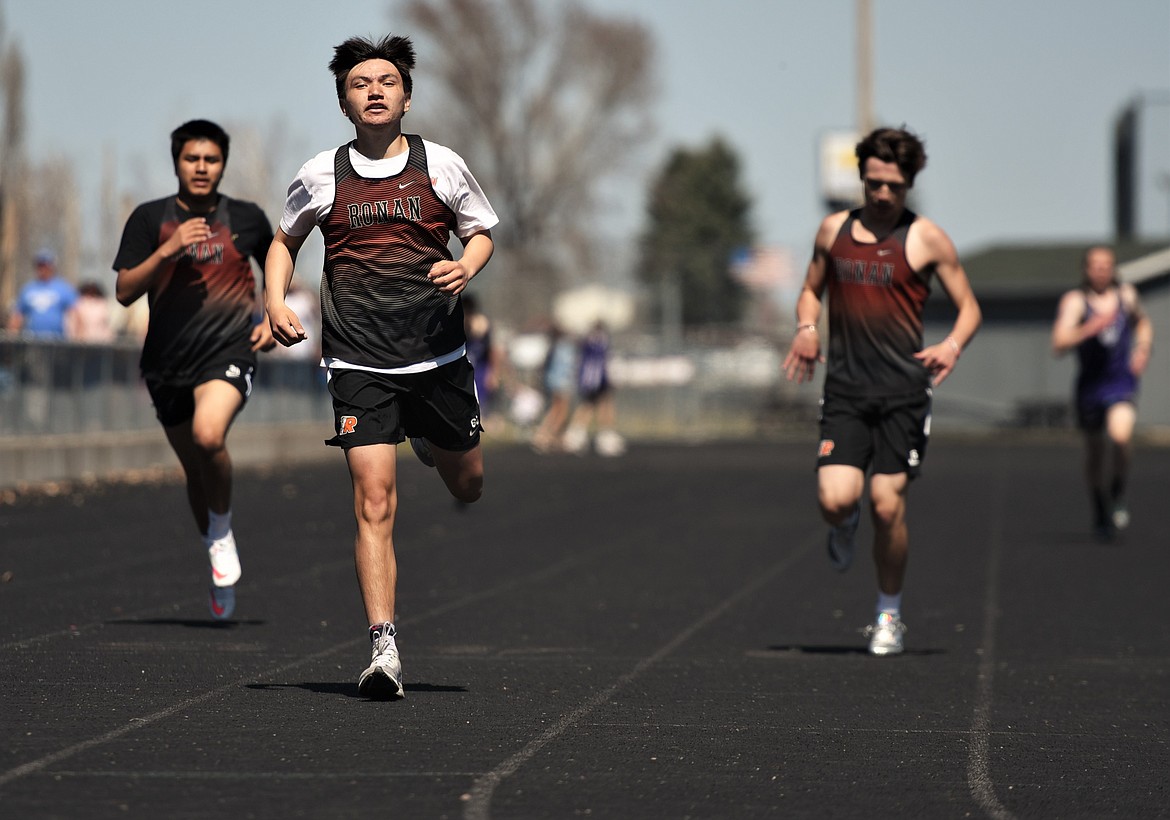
<point x="439" y="405"/>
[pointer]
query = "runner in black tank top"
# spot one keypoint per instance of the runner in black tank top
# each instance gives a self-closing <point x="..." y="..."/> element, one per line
<point x="379" y="308"/>
<point x="875" y="314"/>
<point x="876" y="265"/>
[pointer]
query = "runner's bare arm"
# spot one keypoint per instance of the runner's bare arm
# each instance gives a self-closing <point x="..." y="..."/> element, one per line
<point x="278" y="273"/>
<point x="452" y="276"/>
<point x="804" y="353"/>
<point x="135" y="281"/>
<point x="940" y="358"/>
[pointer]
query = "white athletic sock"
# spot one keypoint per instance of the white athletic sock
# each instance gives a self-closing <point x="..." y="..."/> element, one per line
<point x="889" y="603"/>
<point x="218" y="525"/>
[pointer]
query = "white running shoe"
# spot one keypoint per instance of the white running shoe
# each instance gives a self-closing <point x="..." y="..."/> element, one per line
<point x="610" y="443"/>
<point x="382" y="680"/>
<point x="575" y="440"/>
<point x="885" y="635"/>
<point x="1120" y="517"/>
<point x="221" y="602"/>
<point x="423" y="451"/>
<point x="841" y="541"/>
<point x="225" y="561"/>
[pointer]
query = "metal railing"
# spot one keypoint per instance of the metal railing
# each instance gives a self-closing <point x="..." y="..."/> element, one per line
<point x="50" y="387"/>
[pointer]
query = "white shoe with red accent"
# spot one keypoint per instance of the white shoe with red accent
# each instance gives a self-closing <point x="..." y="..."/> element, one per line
<point x="222" y="602"/>
<point x="225" y="561"/>
<point x="885" y="635"/>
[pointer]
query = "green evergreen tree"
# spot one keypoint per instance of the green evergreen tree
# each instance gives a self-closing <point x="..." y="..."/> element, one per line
<point x="698" y="216"/>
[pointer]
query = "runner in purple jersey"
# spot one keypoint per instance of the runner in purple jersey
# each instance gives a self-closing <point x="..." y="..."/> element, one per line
<point x="1104" y="321"/>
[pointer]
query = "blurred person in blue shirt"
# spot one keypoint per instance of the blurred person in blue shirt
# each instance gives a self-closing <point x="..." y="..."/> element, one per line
<point x="44" y="304"/>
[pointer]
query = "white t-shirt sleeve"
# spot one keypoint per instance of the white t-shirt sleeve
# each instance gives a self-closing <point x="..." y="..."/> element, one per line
<point x="455" y="185"/>
<point x="310" y="196"/>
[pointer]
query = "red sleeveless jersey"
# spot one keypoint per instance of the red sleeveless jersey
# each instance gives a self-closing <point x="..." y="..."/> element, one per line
<point x="875" y="315"/>
<point x="378" y="308"/>
<point x="203" y="303"/>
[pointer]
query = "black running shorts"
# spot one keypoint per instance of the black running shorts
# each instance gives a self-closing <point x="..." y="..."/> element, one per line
<point x="439" y="405"/>
<point x="175" y="403"/>
<point x="888" y="434"/>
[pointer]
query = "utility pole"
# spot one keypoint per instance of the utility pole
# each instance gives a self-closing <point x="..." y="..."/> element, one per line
<point x="864" y="67"/>
<point x="839" y="185"/>
<point x="1131" y="180"/>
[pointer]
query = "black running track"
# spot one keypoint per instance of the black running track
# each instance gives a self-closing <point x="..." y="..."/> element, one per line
<point x="656" y="636"/>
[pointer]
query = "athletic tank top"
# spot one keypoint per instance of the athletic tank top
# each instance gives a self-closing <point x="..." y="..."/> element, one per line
<point x="592" y="375"/>
<point x="378" y="309"/>
<point x="1104" y="373"/>
<point x="203" y="304"/>
<point x="875" y="315"/>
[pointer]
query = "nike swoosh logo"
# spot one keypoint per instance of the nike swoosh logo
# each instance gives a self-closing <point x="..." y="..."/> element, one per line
<point x="216" y="608"/>
<point x="885" y="252"/>
<point x="217" y="573"/>
<point x="402" y="185"/>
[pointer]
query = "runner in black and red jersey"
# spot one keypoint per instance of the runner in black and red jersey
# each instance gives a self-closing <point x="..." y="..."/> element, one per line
<point x="877" y="263"/>
<point x="189" y="254"/>
<point x="392" y="333"/>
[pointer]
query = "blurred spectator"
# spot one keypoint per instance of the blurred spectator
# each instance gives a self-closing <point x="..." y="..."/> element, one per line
<point x="91" y="321"/>
<point x="43" y="305"/>
<point x="595" y="395"/>
<point x="557" y="380"/>
<point x="482" y="354"/>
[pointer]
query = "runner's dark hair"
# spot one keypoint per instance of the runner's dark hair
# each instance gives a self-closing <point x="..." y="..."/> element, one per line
<point x="198" y="130"/>
<point x="897" y="145"/>
<point x="356" y="50"/>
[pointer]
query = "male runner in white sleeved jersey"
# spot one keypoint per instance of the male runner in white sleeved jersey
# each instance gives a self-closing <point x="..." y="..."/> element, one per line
<point x="392" y="333"/>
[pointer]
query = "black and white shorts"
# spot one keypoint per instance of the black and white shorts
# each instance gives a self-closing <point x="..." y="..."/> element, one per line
<point x="887" y="433"/>
<point x="174" y="402"/>
<point x="439" y="405"/>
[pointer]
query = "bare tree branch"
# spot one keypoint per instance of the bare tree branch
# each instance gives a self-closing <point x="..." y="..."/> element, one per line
<point x="544" y="105"/>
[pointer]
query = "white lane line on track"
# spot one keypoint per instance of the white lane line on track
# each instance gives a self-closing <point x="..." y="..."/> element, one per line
<point x="477" y="801"/>
<point x="979" y="779"/>
<point x="160" y="610"/>
<point x="201" y="775"/>
<point x="169" y="609"/>
<point x="141" y="722"/>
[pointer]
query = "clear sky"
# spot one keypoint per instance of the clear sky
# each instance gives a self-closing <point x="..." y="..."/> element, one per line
<point x="1015" y="98"/>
